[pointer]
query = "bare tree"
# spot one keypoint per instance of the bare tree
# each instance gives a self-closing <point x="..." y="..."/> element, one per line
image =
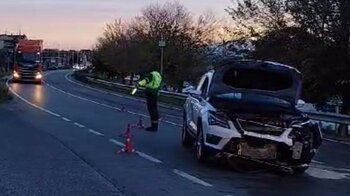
<point x="259" y="16"/>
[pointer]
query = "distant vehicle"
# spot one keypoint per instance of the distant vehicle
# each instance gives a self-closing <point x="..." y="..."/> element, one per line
<point x="78" y="67"/>
<point x="134" y="79"/>
<point x="246" y="111"/>
<point x="28" y="61"/>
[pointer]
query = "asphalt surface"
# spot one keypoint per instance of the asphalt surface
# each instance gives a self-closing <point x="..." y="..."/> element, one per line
<point x="62" y="138"/>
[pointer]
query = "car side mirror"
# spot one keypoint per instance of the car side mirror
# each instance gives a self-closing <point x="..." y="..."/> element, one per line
<point x="300" y="103"/>
<point x="196" y="94"/>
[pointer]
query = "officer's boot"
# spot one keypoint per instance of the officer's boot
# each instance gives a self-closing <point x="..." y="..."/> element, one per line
<point x="153" y="128"/>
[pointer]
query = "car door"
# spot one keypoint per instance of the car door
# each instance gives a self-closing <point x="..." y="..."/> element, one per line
<point x="190" y="104"/>
<point x="199" y="103"/>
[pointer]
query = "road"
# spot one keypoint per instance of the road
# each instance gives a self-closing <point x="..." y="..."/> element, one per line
<point x="62" y="138"/>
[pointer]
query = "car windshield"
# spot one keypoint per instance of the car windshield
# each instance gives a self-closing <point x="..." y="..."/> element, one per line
<point x="28" y="57"/>
<point x="257" y="79"/>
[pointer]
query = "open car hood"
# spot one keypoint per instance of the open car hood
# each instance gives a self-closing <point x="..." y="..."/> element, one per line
<point x="251" y="103"/>
<point x="260" y="82"/>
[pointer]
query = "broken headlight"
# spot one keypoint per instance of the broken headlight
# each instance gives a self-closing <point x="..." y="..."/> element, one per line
<point x="218" y="119"/>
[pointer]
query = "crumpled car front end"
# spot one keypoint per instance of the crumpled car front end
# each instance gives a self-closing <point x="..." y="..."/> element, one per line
<point x="287" y="144"/>
<point x="259" y="98"/>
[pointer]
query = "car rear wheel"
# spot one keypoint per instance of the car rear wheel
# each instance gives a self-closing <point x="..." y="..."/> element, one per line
<point x="202" y="154"/>
<point x="186" y="138"/>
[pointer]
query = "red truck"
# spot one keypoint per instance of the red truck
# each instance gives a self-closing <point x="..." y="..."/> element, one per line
<point x="28" y="61"/>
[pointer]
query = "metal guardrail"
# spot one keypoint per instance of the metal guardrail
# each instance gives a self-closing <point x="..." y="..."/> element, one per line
<point x="319" y="116"/>
<point x="329" y="117"/>
<point x="124" y="86"/>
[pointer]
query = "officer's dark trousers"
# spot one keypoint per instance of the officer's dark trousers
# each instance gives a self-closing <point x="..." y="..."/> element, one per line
<point x="152" y="105"/>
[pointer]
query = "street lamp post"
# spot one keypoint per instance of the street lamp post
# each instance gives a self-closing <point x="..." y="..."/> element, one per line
<point x="162" y="44"/>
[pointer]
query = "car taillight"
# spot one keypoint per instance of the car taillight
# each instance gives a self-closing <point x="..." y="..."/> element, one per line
<point x="218" y="120"/>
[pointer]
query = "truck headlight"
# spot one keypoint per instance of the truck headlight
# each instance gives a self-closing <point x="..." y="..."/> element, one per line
<point x="38" y="76"/>
<point x="218" y="120"/>
<point x="15" y="74"/>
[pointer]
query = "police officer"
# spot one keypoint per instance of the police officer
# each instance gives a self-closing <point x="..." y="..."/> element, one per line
<point x="152" y="82"/>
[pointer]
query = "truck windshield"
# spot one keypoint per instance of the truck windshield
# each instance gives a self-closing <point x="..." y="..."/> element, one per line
<point x="28" y="58"/>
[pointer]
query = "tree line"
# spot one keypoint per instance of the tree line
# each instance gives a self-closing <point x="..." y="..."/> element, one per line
<point x="311" y="35"/>
<point x="132" y="47"/>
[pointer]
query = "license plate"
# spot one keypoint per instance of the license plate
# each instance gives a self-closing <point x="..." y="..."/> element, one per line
<point x="267" y="152"/>
<point x="297" y="150"/>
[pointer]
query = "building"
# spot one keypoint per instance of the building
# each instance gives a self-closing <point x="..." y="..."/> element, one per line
<point x="9" y="41"/>
<point x="7" y="48"/>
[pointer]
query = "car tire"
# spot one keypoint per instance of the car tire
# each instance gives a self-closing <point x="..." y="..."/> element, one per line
<point x="202" y="153"/>
<point x="186" y="139"/>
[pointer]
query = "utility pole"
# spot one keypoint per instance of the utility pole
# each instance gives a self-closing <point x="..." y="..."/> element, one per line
<point x="162" y="44"/>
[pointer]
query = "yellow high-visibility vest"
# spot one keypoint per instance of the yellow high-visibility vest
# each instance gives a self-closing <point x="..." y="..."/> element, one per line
<point x="154" y="82"/>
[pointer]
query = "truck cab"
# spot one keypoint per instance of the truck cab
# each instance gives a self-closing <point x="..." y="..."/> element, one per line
<point x="28" y="61"/>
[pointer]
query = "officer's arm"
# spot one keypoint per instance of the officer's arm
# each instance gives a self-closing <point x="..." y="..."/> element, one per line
<point x="145" y="81"/>
<point x="142" y="82"/>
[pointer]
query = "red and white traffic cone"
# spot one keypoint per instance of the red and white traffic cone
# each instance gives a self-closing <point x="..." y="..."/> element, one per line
<point x="128" y="148"/>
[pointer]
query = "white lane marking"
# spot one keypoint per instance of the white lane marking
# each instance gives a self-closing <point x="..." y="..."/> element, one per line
<point x="317" y="162"/>
<point x="337" y="141"/>
<point x="115" y="94"/>
<point x="343" y="142"/>
<point x="82" y="98"/>
<point x="330" y="140"/>
<point x="141" y="154"/>
<point x="148" y="157"/>
<point x="172" y="123"/>
<point x="327" y="173"/>
<point x="79" y="125"/>
<point x="191" y="178"/>
<point x="108" y="106"/>
<point x="32" y="104"/>
<point x="117" y="142"/>
<point x="96" y="132"/>
<point x="66" y="119"/>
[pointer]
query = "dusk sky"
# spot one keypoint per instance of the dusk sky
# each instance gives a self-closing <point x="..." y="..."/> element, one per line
<point x="74" y="24"/>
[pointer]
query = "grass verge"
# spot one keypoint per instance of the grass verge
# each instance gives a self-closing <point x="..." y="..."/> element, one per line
<point x="4" y="92"/>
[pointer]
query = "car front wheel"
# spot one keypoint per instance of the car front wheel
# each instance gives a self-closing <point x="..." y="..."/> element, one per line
<point x="186" y="138"/>
<point x="201" y="150"/>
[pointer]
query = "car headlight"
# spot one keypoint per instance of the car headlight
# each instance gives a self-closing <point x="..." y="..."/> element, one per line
<point x="15" y="74"/>
<point x="218" y="120"/>
<point x="38" y="76"/>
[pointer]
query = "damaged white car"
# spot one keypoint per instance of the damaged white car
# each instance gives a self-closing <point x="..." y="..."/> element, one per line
<point x="246" y="110"/>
